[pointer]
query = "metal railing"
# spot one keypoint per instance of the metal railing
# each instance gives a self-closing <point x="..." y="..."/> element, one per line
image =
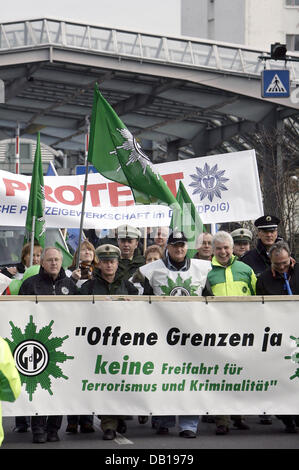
<point x="187" y="52"/>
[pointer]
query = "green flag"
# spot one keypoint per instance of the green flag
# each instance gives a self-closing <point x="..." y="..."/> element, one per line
<point x="116" y="154"/>
<point x="187" y="220"/>
<point x="35" y="220"/>
<point x="66" y="256"/>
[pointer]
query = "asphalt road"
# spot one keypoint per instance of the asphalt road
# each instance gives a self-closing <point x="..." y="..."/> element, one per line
<point x="142" y="437"/>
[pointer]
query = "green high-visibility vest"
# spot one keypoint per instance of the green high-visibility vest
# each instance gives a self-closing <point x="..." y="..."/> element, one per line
<point x="236" y="279"/>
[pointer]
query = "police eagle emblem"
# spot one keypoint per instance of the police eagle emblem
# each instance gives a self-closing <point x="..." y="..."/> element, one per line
<point x="136" y="153"/>
<point x="209" y="182"/>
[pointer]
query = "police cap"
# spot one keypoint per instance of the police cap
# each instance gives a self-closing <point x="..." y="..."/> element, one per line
<point x="177" y="237"/>
<point x="267" y="222"/>
<point x="107" y="252"/>
<point x="126" y="231"/>
<point x="241" y="235"/>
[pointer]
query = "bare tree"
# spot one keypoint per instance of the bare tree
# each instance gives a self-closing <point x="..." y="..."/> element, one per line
<point x="278" y="161"/>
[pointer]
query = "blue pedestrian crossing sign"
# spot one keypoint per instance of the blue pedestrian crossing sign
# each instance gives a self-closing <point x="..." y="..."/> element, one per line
<point x="275" y="83"/>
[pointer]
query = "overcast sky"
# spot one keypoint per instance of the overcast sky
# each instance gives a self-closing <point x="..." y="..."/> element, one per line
<point x="154" y="16"/>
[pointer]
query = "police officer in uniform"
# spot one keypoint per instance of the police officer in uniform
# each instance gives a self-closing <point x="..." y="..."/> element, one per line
<point x="167" y="277"/>
<point x="242" y="238"/>
<point x="105" y="282"/>
<point x="130" y="258"/>
<point x="258" y="258"/>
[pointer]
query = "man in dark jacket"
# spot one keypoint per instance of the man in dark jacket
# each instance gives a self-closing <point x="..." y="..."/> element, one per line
<point x="105" y="282"/>
<point x="281" y="278"/>
<point x="51" y="280"/>
<point x="258" y="258"/>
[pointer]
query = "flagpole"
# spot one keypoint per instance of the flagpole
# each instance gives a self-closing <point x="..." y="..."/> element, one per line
<point x="35" y="226"/>
<point x="84" y="192"/>
<point x="32" y="241"/>
<point x="213" y="229"/>
<point x="144" y="240"/>
<point x="17" y="155"/>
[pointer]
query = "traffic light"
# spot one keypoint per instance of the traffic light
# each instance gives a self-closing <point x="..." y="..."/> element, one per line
<point x="278" y="51"/>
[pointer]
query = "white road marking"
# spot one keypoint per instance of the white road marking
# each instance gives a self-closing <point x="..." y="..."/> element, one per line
<point x="122" y="440"/>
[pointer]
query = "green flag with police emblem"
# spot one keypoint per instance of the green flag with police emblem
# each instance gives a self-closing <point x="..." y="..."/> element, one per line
<point x="35" y="220"/>
<point x="116" y="154"/>
<point x="187" y="219"/>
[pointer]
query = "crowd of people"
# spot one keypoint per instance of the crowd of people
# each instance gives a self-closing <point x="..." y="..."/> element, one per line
<point x="225" y="264"/>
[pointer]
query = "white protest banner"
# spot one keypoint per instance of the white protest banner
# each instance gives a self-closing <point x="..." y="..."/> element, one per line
<point x="224" y="188"/>
<point x="79" y="356"/>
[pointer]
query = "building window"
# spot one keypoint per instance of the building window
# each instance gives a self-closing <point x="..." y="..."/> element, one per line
<point x="25" y="152"/>
<point x="292" y="3"/>
<point x="292" y="41"/>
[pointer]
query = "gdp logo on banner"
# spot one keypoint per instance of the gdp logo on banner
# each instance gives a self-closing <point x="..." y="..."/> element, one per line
<point x="36" y="356"/>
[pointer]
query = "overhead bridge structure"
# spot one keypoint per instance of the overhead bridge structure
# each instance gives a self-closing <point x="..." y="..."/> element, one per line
<point x="182" y="96"/>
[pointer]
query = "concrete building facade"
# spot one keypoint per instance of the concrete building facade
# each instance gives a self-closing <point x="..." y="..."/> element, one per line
<point x="254" y="23"/>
